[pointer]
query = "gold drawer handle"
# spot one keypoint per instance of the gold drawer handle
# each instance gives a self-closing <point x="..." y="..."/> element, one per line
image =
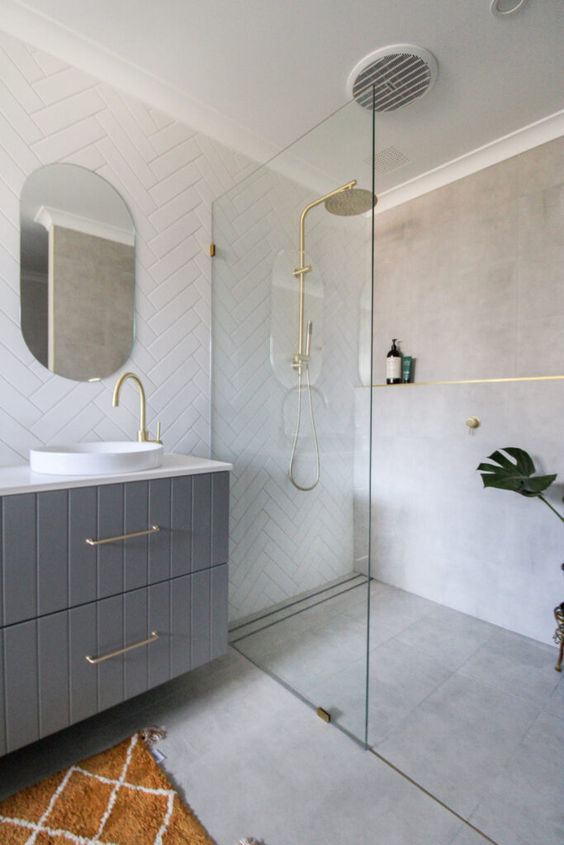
<point x="93" y="660"/>
<point x="154" y="529"/>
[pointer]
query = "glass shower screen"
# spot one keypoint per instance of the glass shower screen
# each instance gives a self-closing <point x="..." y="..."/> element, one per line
<point x="292" y="304"/>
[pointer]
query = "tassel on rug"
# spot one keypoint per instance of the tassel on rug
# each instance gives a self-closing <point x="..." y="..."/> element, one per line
<point x="152" y="735"/>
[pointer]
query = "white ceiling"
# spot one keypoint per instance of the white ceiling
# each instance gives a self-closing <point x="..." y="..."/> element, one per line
<point x="259" y="73"/>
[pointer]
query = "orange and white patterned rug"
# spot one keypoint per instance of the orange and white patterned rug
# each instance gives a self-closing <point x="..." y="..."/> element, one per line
<point x="119" y="797"/>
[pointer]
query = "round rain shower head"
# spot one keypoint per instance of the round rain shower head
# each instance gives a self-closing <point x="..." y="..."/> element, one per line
<point x="393" y="76"/>
<point x="351" y="202"/>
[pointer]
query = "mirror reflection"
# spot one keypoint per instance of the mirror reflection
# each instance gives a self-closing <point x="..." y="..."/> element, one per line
<point x="77" y="272"/>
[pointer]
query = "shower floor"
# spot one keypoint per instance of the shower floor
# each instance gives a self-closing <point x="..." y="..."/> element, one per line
<point x="471" y="712"/>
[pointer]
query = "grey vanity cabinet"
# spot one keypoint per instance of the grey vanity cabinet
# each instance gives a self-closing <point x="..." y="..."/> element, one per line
<point x="84" y="626"/>
<point x="47" y="564"/>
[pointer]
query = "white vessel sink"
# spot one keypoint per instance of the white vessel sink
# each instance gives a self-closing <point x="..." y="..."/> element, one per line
<point x="95" y="458"/>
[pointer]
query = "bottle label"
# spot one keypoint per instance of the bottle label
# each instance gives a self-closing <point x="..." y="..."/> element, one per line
<point x="393" y="368"/>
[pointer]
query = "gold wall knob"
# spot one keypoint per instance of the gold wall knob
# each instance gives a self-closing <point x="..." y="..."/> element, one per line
<point x="473" y="422"/>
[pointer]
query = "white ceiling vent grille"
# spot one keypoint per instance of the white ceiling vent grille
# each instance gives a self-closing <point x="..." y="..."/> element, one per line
<point x="388" y="159"/>
<point x="392" y="76"/>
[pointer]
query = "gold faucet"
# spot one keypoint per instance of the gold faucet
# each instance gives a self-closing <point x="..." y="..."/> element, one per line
<point x="142" y="434"/>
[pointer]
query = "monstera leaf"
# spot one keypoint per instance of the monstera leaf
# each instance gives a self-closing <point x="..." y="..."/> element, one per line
<point x="517" y="475"/>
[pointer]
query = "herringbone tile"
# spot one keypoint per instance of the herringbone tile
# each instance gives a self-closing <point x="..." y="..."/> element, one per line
<point x="168" y="175"/>
<point x="284" y="541"/>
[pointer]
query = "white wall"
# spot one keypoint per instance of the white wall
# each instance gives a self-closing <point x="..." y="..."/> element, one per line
<point x="168" y="175"/>
<point x="471" y="278"/>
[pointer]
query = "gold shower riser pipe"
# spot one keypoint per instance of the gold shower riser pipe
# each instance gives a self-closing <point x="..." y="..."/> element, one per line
<point x="300" y="271"/>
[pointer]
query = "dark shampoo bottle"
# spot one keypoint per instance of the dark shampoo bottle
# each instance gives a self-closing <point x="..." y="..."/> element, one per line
<point x="393" y="364"/>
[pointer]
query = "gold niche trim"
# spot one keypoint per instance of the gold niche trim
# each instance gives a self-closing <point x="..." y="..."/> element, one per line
<point x="470" y="381"/>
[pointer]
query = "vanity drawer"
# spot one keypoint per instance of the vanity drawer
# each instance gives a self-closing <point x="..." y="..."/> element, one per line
<point x="135" y="641"/>
<point x="46" y="563"/>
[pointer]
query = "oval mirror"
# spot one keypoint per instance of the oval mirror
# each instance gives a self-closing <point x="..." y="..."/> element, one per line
<point x="77" y="272"/>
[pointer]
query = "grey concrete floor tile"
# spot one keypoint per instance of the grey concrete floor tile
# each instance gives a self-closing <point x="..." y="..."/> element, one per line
<point x="201" y="718"/>
<point x="415" y="648"/>
<point x="395" y="611"/>
<point x="400" y="679"/>
<point x="398" y="606"/>
<point x="384" y="626"/>
<point x="318" y="616"/>
<point x="524" y="803"/>
<point x="297" y="780"/>
<point x="516" y="664"/>
<point x="447" y="636"/>
<point x="319" y="653"/>
<point x="312" y="625"/>
<point x="376" y="811"/>
<point x="459" y="739"/>
<point x="467" y="836"/>
<point x="555" y="703"/>
<point x="343" y="695"/>
<point x="270" y="769"/>
<point x="380" y="588"/>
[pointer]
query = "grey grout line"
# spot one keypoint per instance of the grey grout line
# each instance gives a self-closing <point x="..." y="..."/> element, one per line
<point x="481" y="645"/>
<point x="365" y="745"/>
<point x="431" y="692"/>
<point x="372" y="750"/>
<point x="433" y="797"/>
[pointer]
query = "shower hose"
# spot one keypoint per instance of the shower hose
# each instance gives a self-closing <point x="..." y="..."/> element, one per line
<point x="304" y="488"/>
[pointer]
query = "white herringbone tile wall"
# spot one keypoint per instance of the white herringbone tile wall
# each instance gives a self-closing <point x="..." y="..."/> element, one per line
<point x="168" y="174"/>
<point x="284" y="541"/>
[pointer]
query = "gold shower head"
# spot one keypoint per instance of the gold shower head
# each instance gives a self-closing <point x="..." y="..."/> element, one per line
<point x="350" y="203"/>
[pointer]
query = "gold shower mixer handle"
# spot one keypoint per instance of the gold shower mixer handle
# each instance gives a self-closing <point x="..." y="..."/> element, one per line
<point x="309" y="333"/>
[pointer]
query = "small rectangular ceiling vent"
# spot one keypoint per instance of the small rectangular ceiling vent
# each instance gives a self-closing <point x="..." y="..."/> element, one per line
<point x="388" y="159"/>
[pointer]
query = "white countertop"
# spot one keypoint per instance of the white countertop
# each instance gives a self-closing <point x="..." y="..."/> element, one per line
<point x="20" y="479"/>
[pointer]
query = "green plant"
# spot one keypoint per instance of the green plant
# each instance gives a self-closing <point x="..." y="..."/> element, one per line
<point x="517" y="475"/>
